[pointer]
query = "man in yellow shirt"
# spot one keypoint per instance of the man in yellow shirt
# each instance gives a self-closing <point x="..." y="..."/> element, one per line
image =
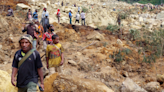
<point x="54" y="55"/>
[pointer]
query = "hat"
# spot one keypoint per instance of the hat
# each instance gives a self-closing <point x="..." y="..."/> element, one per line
<point x="28" y="37"/>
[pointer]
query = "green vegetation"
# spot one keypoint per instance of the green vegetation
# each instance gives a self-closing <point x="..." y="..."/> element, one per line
<point x="120" y="55"/>
<point x="155" y="2"/>
<point x="151" y="43"/>
<point x="112" y="28"/>
<point x="84" y="9"/>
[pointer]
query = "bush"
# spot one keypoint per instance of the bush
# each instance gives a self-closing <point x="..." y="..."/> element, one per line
<point x="112" y="28"/>
<point x="84" y="9"/>
<point x="120" y="55"/>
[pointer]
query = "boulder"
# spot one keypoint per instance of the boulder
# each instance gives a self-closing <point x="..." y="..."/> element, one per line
<point x="135" y="27"/>
<point x="64" y="83"/>
<point x="160" y="15"/>
<point x="75" y="84"/>
<point x="152" y="86"/>
<point x="48" y="2"/>
<point x="160" y="78"/>
<point x="44" y="5"/>
<point x="95" y="36"/>
<point x="71" y="62"/>
<point x="129" y="86"/>
<point x="21" y="6"/>
<point x="140" y="19"/>
<point x="5" y="82"/>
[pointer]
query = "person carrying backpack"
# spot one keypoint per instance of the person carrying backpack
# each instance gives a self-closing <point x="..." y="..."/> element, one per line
<point x="58" y="15"/>
<point x="27" y="66"/>
<point x="31" y="29"/>
<point x="54" y="55"/>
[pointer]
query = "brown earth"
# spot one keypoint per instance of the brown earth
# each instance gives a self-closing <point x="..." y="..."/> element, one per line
<point x="88" y="62"/>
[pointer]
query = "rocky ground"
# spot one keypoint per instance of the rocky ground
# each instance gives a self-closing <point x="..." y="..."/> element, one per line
<point x="90" y="59"/>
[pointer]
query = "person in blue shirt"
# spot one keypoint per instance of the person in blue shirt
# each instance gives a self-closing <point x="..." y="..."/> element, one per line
<point x="35" y="15"/>
<point x="70" y="16"/>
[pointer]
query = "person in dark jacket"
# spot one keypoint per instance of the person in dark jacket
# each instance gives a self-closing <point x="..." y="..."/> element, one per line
<point x="45" y="22"/>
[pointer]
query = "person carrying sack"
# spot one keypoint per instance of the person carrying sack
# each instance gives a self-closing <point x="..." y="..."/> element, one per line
<point x="54" y="56"/>
<point x="27" y="66"/>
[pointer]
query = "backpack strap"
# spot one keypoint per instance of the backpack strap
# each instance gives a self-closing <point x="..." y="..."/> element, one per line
<point x="58" y="49"/>
<point x="25" y="57"/>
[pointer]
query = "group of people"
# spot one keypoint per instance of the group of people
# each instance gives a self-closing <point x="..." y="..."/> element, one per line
<point x="27" y="64"/>
<point x="78" y="15"/>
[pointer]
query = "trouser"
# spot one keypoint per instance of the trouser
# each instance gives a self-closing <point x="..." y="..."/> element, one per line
<point x="70" y="20"/>
<point x="58" y="19"/>
<point x="45" y="28"/>
<point x="44" y="45"/>
<point x="54" y="70"/>
<point x="83" y="20"/>
<point x="34" y="44"/>
<point x="31" y="87"/>
<point x="77" y="20"/>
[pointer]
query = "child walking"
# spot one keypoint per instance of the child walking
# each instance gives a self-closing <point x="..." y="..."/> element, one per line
<point x="54" y="55"/>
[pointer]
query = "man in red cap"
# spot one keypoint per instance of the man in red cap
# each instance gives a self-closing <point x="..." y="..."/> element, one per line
<point x="58" y="15"/>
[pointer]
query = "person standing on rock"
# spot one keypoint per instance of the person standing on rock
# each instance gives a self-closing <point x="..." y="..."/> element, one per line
<point x="70" y="16"/>
<point x="45" y="22"/>
<point x="10" y="12"/>
<point x="83" y="18"/>
<point x="58" y="15"/>
<point x="31" y="29"/>
<point x="27" y="66"/>
<point x="29" y="14"/>
<point x="35" y="15"/>
<point x="54" y="56"/>
<point x="79" y="9"/>
<point x="47" y="36"/>
<point x="77" y="17"/>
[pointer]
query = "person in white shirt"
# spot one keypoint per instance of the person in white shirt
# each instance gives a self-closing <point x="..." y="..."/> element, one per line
<point x="45" y="12"/>
<point x="83" y="18"/>
<point x="77" y="17"/>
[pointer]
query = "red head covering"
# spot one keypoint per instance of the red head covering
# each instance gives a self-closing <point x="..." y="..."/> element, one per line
<point x="58" y="11"/>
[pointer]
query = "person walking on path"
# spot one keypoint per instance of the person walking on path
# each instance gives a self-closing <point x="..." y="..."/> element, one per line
<point x="29" y="14"/>
<point x="45" y="22"/>
<point x="70" y="16"/>
<point x="58" y="15"/>
<point x="27" y="66"/>
<point x="10" y="11"/>
<point x="54" y="56"/>
<point x="77" y="17"/>
<point x="44" y="13"/>
<point x="83" y="18"/>
<point x="40" y="32"/>
<point x="31" y="29"/>
<point x="119" y="20"/>
<point x="47" y="37"/>
<point x="35" y="15"/>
